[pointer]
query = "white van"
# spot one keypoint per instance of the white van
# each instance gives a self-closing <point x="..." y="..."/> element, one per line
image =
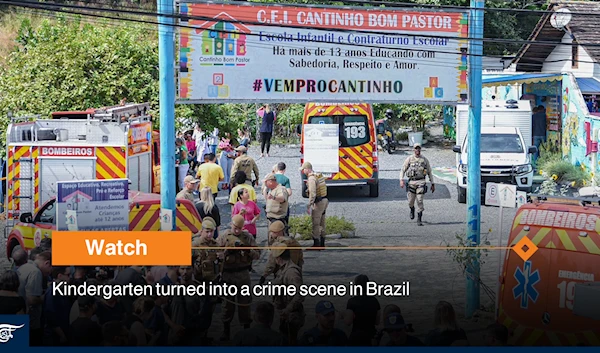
<point x="505" y="146"/>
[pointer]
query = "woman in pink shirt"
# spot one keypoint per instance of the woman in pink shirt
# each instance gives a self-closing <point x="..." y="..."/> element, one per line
<point x="248" y="209"/>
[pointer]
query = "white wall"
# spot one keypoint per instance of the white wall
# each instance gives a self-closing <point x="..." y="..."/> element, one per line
<point x="560" y="61"/>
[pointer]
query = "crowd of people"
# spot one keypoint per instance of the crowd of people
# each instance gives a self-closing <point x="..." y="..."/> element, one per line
<point x="57" y="320"/>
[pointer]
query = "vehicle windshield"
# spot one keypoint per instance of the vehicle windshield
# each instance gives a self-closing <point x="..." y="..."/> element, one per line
<point x="501" y="143"/>
<point x="354" y="129"/>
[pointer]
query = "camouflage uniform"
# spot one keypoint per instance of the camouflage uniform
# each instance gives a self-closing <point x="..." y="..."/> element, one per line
<point x="297" y="257"/>
<point x="291" y="306"/>
<point x="236" y="271"/>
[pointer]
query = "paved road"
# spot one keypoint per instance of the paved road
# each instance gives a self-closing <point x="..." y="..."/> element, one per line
<point x="385" y="221"/>
<point x="432" y="274"/>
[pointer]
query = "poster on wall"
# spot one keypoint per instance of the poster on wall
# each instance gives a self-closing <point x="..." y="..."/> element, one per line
<point x="281" y="53"/>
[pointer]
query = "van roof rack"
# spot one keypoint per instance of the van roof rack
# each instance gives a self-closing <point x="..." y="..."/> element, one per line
<point x="582" y="201"/>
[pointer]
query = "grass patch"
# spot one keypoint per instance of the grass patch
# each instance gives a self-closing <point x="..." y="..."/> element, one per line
<point x="563" y="172"/>
<point x="302" y="225"/>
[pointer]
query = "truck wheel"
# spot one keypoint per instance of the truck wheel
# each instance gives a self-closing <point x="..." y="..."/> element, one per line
<point x="462" y="194"/>
<point x="374" y="190"/>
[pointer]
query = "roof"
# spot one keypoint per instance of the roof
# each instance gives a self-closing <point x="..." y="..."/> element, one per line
<point x="589" y="85"/>
<point x="223" y="17"/>
<point x="520" y="79"/>
<point x="531" y="56"/>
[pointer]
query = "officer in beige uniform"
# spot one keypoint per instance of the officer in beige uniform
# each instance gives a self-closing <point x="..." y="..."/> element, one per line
<point x="290" y="308"/>
<point x="416" y="168"/>
<point x="190" y="186"/>
<point x="276" y="235"/>
<point x="246" y="164"/>
<point x="207" y="267"/>
<point x="317" y="203"/>
<point x="206" y="262"/>
<point x="236" y="271"/>
<point x="277" y="200"/>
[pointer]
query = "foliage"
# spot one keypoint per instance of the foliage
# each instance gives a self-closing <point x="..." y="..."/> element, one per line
<point x="418" y="115"/>
<point x="563" y="172"/>
<point x="465" y="254"/>
<point x="72" y="65"/>
<point x="334" y="225"/>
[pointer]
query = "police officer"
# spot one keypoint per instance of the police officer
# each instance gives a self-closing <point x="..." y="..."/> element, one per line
<point x="276" y="235"/>
<point x="290" y="308"/>
<point x="317" y="203"/>
<point x="206" y="262"/>
<point x="244" y="163"/>
<point x="207" y="268"/>
<point x="416" y="168"/>
<point x="236" y="271"/>
<point x="277" y="200"/>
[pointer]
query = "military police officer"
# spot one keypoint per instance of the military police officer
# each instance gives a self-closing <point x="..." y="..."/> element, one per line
<point x="244" y="163"/>
<point x="236" y="271"/>
<point x="290" y="308"/>
<point x="206" y="262"/>
<point x="317" y="203"/>
<point x="416" y="168"/>
<point x="276" y="235"/>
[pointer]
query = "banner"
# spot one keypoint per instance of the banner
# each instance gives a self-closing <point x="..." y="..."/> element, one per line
<point x="321" y="147"/>
<point x="274" y="53"/>
<point x="93" y="205"/>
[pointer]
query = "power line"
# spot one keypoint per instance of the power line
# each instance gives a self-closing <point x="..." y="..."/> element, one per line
<point x="245" y="22"/>
<point x="37" y="5"/>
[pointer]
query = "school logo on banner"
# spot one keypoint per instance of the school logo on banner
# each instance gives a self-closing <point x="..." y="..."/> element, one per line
<point x="14" y="331"/>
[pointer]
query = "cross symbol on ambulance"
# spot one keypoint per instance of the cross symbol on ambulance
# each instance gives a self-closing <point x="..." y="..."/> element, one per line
<point x="526" y="281"/>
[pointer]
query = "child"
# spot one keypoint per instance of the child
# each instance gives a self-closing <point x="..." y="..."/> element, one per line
<point x="248" y="209"/>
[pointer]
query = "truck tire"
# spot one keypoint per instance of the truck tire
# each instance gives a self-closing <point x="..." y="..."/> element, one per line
<point x="462" y="194"/>
<point x="374" y="189"/>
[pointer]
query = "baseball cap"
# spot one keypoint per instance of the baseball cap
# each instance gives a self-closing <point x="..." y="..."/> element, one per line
<point x="209" y="223"/>
<point x="394" y="321"/>
<point x="277" y="226"/>
<point x="306" y="165"/>
<point x="280" y="248"/>
<point x="417" y="145"/>
<point x="270" y="176"/>
<point x="324" y="307"/>
<point x="238" y="220"/>
<point x="241" y="149"/>
<point x="190" y="179"/>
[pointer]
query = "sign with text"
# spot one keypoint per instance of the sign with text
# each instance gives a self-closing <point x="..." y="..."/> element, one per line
<point x="321" y="147"/>
<point x="139" y="138"/>
<point x="503" y="195"/>
<point x="235" y="53"/>
<point x="93" y="205"/>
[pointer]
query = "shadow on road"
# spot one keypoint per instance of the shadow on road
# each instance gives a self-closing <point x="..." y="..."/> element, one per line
<point x="389" y="190"/>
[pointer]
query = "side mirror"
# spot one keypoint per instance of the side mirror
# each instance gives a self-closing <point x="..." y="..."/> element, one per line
<point x="299" y="129"/>
<point x="26" y="217"/>
<point x="532" y="149"/>
<point x="456" y="149"/>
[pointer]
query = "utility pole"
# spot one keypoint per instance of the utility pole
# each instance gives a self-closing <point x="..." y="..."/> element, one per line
<point x="166" y="67"/>
<point x="473" y="153"/>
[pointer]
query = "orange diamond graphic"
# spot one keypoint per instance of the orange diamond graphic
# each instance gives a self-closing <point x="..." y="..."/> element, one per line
<point x="525" y="248"/>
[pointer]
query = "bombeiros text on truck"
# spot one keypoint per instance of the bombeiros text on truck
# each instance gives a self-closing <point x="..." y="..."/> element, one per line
<point x="96" y="144"/>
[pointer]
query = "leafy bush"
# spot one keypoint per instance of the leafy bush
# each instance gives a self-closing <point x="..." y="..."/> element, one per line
<point x="563" y="172"/>
<point x="403" y="136"/>
<point x="333" y="225"/>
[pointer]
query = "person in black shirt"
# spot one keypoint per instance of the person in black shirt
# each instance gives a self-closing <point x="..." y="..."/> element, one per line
<point x="325" y="333"/>
<point x="446" y="332"/>
<point x="363" y="313"/>
<point x="395" y="327"/>
<point x="10" y="301"/>
<point x="84" y="331"/>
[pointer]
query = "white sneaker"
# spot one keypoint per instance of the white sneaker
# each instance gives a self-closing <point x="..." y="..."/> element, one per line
<point x="262" y="155"/>
<point x="267" y="155"/>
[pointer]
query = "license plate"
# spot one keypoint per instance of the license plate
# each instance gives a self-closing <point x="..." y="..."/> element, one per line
<point x="327" y="175"/>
